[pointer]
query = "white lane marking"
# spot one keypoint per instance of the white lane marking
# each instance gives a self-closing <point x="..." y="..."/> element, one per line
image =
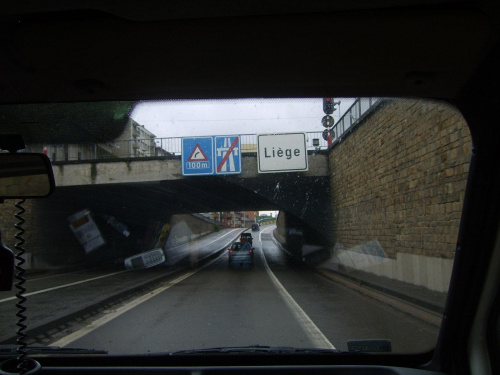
<point x="266" y="229"/>
<point x="92" y="279"/>
<point x="53" y="276"/>
<point x="121" y="310"/>
<point x="317" y="337"/>
<point x="202" y="243"/>
<point x="63" y="286"/>
<point x="219" y="238"/>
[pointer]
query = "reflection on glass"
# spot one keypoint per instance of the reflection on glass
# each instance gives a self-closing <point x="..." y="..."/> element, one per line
<point x="378" y="209"/>
<point x="24" y="175"/>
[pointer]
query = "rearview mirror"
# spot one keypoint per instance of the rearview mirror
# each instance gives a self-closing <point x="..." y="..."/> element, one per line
<point x="25" y="175"/>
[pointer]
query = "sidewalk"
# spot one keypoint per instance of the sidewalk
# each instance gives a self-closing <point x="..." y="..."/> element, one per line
<point x="417" y="295"/>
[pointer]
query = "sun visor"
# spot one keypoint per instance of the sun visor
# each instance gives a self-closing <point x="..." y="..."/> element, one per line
<point x="66" y="122"/>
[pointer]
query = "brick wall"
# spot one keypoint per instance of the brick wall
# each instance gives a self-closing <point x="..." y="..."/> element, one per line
<point x="7" y="222"/>
<point x="399" y="179"/>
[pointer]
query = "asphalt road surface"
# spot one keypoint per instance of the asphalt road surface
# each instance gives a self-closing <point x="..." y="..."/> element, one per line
<point x="52" y="297"/>
<point x="276" y="302"/>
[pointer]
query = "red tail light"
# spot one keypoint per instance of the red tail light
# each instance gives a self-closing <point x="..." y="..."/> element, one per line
<point x="251" y="250"/>
<point x="231" y="250"/>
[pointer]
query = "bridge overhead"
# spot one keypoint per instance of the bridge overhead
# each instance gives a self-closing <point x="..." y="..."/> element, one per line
<point x="155" y="186"/>
<point x="155" y="169"/>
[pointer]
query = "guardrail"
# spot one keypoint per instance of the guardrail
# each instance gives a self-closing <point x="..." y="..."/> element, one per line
<point x="147" y="147"/>
<point x="172" y="146"/>
<point x="353" y="116"/>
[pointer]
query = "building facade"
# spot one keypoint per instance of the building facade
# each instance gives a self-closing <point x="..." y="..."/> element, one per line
<point x="135" y="141"/>
<point x="235" y="219"/>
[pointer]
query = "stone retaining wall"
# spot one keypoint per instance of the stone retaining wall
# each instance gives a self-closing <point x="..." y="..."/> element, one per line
<point x="399" y="179"/>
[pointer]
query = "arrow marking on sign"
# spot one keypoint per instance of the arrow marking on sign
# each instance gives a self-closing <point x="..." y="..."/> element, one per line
<point x="224" y="159"/>
<point x="198" y="154"/>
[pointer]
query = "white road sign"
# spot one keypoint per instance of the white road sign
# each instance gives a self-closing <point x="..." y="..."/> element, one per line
<point x="282" y="152"/>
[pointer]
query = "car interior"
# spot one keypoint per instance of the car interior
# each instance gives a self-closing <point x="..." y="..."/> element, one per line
<point x="57" y="55"/>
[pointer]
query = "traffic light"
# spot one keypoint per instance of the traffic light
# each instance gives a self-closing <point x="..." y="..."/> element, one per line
<point x="327" y="132"/>
<point x="328" y="106"/>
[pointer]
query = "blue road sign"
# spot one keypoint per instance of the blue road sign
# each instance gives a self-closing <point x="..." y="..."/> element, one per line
<point x="197" y="156"/>
<point x="228" y="154"/>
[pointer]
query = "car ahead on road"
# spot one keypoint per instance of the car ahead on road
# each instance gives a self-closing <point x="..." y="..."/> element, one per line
<point x="240" y="254"/>
<point x="255" y="227"/>
<point x="246" y="237"/>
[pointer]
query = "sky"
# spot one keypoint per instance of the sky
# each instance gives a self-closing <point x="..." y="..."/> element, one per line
<point x="183" y="118"/>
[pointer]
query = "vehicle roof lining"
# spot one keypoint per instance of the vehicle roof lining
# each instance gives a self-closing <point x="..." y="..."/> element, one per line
<point x="154" y="10"/>
<point x="60" y="123"/>
<point x="228" y="57"/>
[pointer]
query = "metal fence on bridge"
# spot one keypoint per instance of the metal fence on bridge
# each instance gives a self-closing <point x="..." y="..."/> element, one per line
<point x="353" y="116"/>
<point x="151" y="147"/>
<point x="172" y="146"/>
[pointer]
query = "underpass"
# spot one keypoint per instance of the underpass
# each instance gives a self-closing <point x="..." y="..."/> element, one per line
<point x="389" y="227"/>
<point x="142" y="206"/>
<point x="160" y="180"/>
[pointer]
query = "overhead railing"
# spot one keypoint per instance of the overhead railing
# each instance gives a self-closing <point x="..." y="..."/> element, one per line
<point x="147" y="147"/>
<point x="172" y="146"/>
<point x="361" y="108"/>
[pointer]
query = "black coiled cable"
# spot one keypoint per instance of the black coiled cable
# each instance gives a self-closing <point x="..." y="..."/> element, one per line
<point x="21" y="364"/>
<point x="21" y="309"/>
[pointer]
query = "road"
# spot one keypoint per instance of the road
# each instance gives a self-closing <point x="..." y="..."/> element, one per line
<point x="55" y="296"/>
<point x="276" y="302"/>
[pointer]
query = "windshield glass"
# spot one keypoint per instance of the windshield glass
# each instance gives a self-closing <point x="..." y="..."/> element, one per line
<point x="347" y="210"/>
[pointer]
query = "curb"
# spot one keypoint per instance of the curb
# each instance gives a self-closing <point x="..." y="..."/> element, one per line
<point x="418" y="302"/>
<point x="418" y="308"/>
<point x="404" y="305"/>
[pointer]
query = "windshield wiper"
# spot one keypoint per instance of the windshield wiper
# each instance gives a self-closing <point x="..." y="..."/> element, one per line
<point x="7" y="350"/>
<point x="255" y="349"/>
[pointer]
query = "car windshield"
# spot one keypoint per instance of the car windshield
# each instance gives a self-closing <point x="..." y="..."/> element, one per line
<point x="352" y="205"/>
